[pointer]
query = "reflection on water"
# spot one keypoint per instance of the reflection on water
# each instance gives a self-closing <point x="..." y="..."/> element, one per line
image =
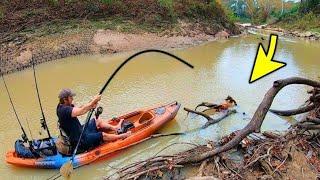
<point x="222" y="68"/>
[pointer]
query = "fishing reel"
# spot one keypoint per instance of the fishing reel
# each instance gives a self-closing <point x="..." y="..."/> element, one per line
<point x="98" y="112"/>
<point x="43" y="123"/>
<point x="24" y="138"/>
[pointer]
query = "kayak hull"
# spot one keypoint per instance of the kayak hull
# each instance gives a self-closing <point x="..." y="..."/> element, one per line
<point x="147" y="122"/>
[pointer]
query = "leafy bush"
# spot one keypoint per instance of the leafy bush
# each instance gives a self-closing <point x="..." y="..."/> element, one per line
<point x="153" y="13"/>
<point x="230" y="13"/>
<point x="197" y="9"/>
<point x="293" y="11"/>
<point x="53" y="2"/>
<point x="307" y="22"/>
<point x="166" y="3"/>
<point x="309" y="6"/>
<point x="107" y="1"/>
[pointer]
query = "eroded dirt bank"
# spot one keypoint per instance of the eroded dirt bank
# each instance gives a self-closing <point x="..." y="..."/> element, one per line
<point x="17" y="55"/>
<point x="48" y="30"/>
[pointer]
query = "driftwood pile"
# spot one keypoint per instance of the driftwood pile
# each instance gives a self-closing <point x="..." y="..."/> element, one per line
<point x="265" y="155"/>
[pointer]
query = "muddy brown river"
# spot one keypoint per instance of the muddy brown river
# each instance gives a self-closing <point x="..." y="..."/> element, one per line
<point x="222" y="68"/>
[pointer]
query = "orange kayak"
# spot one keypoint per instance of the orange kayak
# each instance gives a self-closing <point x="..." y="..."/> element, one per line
<point x="146" y="122"/>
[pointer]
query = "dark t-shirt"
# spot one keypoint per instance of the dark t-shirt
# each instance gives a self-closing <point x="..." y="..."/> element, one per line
<point x="70" y="125"/>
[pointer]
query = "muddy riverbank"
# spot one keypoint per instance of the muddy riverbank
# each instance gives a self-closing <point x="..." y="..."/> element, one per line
<point x="49" y="30"/>
<point x="16" y="54"/>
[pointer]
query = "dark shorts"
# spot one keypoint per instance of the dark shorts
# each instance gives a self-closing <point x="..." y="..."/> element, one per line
<point x="91" y="137"/>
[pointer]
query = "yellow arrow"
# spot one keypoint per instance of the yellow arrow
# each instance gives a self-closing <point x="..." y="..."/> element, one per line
<point x="264" y="63"/>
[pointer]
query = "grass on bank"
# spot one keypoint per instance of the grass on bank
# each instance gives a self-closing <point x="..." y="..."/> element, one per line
<point x="307" y="22"/>
<point x="137" y="16"/>
<point x="74" y="26"/>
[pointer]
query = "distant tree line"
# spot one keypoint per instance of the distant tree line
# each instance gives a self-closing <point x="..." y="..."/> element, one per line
<point x="307" y="6"/>
<point x="261" y="10"/>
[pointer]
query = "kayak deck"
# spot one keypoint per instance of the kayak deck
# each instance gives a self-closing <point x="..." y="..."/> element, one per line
<point x="146" y="122"/>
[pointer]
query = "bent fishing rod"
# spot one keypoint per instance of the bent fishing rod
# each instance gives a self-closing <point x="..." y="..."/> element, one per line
<point x="24" y="135"/>
<point x="43" y="120"/>
<point x="69" y="164"/>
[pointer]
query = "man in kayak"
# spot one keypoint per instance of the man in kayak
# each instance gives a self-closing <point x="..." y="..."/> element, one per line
<point x="70" y="126"/>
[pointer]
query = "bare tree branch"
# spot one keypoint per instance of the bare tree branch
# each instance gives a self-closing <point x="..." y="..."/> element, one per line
<point x="293" y="111"/>
<point x="214" y="121"/>
<point x="199" y="113"/>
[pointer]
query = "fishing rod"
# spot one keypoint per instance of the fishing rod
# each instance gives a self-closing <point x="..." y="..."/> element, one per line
<point x="67" y="168"/>
<point x="43" y="119"/>
<point x="29" y="128"/>
<point x="24" y="135"/>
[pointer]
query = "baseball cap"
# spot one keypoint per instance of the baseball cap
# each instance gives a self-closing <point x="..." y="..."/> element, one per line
<point x="64" y="93"/>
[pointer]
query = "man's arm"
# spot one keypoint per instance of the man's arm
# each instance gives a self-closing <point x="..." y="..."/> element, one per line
<point x="78" y="111"/>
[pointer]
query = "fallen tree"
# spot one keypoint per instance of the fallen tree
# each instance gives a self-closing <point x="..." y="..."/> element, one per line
<point x="248" y="137"/>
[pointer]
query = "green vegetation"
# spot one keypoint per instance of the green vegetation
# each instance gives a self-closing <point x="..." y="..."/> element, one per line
<point x="305" y="22"/>
<point x="231" y="15"/>
<point x="148" y="15"/>
<point x="308" y="6"/>
<point x="293" y="15"/>
<point x="302" y="16"/>
<point x="166" y="3"/>
<point x="107" y="1"/>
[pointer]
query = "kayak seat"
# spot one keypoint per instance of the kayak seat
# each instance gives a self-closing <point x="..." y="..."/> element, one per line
<point x="147" y="116"/>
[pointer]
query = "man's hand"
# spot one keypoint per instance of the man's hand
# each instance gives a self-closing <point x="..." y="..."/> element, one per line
<point x="95" y="100"/>
<point x="78" y="111"/>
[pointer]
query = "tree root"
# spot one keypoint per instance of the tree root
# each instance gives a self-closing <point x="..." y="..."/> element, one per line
<point x="266" y="152"/>
<point x="257" y="119"/>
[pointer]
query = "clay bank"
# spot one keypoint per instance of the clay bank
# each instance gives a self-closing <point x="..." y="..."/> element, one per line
<point x="96" y="42"/>
<point x="45" y="31"/>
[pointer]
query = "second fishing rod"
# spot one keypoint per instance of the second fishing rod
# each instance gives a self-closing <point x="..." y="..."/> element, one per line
<point x="43" y="121"/>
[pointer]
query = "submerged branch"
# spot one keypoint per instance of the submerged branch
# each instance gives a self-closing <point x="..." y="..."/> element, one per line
<point x="199" y="113"/>
<point x="214" y="121"/>
<point x="293" y="111"/>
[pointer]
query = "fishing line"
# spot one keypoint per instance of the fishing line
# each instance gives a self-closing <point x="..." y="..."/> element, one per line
<point x="25" y="137"/>
<point x="66" y="166"/>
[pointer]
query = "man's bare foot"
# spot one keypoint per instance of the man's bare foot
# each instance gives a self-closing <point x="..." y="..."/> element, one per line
<point x="113" y="137"/>
<point x="125" y="135"/>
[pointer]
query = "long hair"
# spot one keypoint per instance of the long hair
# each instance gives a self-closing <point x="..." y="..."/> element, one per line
<point x="61" y="100"/>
